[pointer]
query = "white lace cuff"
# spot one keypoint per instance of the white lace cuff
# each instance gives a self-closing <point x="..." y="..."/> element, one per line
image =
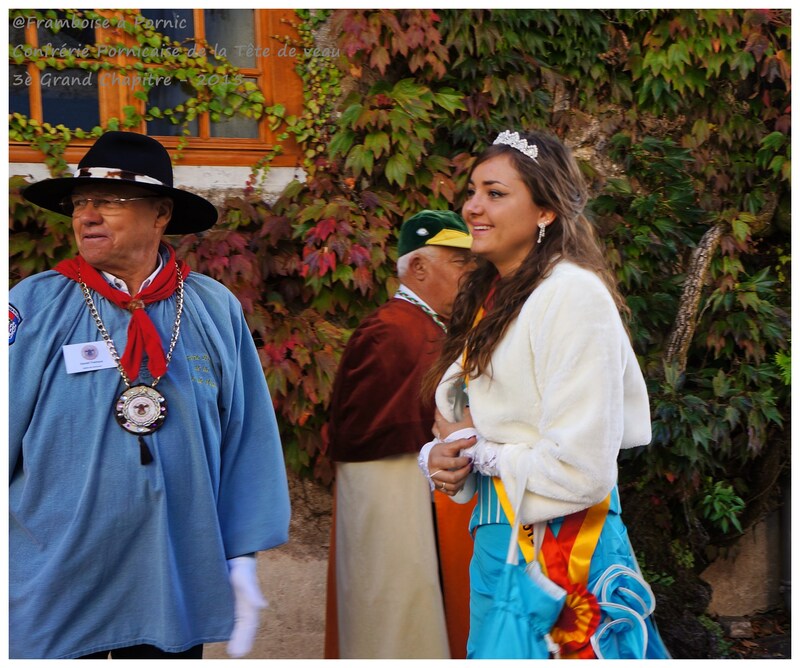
<point x="422" y="460"/>
<point x="485" y="457"/>
<point x="467" y="432"/>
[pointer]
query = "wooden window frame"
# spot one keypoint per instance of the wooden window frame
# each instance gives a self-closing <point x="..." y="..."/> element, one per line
<point x="272" y="73"/>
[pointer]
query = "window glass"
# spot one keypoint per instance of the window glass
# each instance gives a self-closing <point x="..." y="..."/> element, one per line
<point x="19" y="81"/>
<point x="70" y="97"/>
<point x="177" y="24"/>
<point x="67" y="33"/>
<point x="236" y="126"/>
<point x="167" y="97"/>
<point x="19" y="90"/>
<point x="233" y="30"/>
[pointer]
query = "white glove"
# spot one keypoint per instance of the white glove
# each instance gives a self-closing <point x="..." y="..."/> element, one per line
<point x="485" y="457"/>
<point x="248" y="602"/>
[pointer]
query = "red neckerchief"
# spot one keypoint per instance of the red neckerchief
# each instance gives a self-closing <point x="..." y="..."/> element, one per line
<point x="142" y="334"/>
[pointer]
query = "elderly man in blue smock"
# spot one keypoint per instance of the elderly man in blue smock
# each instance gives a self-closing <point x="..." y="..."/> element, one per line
<point x="145" y="464"/>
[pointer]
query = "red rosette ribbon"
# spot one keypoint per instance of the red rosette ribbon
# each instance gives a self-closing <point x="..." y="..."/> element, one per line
<point x="578" y="620"/>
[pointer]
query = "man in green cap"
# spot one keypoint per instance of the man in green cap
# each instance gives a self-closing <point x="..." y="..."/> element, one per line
<point x="384" y="594"/>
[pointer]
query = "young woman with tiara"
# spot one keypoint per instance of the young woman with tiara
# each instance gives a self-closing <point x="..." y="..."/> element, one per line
<point x="537" y="390"/>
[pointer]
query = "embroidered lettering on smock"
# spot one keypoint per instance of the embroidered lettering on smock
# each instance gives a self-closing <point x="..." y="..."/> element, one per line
<point x="201" y="371"/>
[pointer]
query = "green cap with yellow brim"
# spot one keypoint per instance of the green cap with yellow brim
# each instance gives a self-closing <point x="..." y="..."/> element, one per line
<point x="433" y="228"/>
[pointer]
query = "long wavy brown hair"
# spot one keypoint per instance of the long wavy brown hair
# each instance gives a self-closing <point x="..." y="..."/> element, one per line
<point x="556" y="184"/>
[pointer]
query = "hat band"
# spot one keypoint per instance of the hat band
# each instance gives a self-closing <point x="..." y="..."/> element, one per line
<point x="116" y="173"/>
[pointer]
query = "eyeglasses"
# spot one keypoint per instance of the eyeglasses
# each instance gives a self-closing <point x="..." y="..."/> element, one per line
<point x="73" y="205"/>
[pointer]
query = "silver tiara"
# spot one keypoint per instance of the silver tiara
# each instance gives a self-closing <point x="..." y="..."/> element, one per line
<point x="513" y="140"/>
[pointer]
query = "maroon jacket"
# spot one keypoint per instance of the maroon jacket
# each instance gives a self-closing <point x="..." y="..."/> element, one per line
<point x="376" y="408"/>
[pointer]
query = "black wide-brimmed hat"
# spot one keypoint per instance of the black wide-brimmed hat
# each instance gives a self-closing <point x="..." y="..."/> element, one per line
<point x="136" y="159"/>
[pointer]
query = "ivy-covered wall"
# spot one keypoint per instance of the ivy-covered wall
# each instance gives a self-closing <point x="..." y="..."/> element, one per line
<point x="681" y="121"/>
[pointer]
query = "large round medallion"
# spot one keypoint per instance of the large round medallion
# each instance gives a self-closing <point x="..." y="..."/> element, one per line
<point x="141" y="409"/>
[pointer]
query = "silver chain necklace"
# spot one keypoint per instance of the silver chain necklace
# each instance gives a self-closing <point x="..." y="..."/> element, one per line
<point x="140" y="409"/>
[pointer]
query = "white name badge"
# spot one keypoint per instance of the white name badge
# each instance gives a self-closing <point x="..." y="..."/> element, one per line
<point x="80" y="357"/>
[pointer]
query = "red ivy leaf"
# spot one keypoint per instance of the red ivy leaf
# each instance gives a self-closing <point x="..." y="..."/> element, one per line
<point x="327" y="260"/>
<point x="359" y="255"/>
<point x="322" y="230"/>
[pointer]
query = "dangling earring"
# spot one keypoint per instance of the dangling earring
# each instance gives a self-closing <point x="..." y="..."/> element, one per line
<point x="542" y="227"/>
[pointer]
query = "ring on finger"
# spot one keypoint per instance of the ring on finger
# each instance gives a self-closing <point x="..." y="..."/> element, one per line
<point x="444" y="486"/>
<point x="433" y="475"/>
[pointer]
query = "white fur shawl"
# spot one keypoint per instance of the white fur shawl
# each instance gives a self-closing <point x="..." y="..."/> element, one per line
<point x="565" y="393"/>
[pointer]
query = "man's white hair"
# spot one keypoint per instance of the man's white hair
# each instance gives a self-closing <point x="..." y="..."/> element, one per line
<point x="404" y="261"/>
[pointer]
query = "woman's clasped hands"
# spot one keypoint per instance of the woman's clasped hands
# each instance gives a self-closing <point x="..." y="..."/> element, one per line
<point x="442" y="459"/>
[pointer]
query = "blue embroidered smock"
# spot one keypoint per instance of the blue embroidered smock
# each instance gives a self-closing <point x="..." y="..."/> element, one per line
<point x="105" y="552"/>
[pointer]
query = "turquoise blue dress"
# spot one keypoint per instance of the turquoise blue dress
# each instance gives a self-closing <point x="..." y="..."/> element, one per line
<point x="105" y="552"/>
<point x="626" y="628"/>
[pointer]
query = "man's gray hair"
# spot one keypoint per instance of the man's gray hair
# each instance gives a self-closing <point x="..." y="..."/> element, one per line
<point x="404" y="261"/>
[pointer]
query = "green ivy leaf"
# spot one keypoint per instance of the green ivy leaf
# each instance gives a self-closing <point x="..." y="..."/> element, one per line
<point x="377" y="142"/>
<point x="398" y="167"/>
<point x="341" y="142"/>
<point x="740" y="229"/>
<point x="360" y="160"/>
<point x="449" y="100"/>
<point x="351" y="115"/>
